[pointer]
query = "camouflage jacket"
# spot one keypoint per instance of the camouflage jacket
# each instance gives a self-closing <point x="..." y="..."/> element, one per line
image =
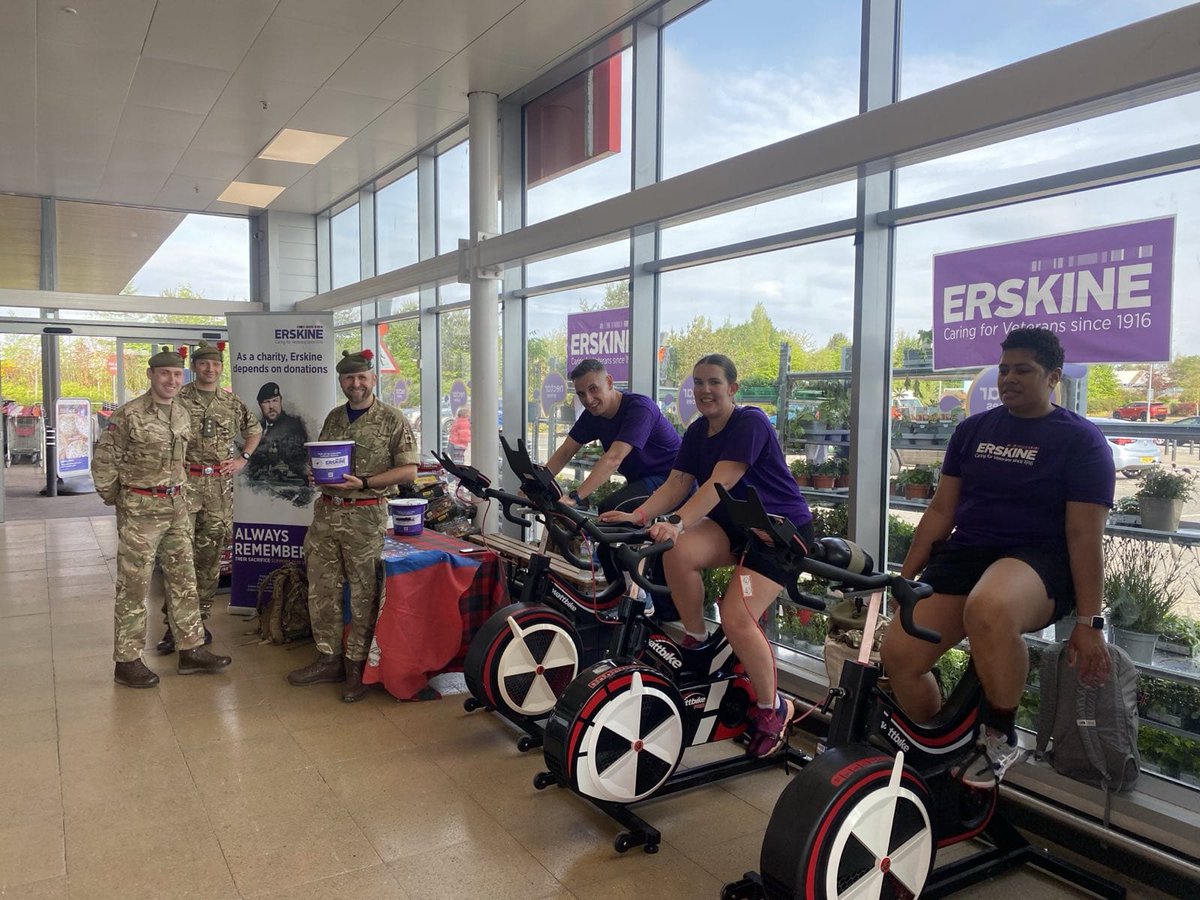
<point x="217" y="427"/>
<point x="144" y="445"/>
<point x="383" y="440"/>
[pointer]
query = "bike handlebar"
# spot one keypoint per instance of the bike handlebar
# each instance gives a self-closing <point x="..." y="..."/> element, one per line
<point x="481" y="486"/>
<point x="841" y="562"/>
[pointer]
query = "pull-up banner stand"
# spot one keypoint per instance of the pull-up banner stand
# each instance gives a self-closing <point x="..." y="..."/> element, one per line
<point x="282" y="368"/>
<point x="73" y="447"/>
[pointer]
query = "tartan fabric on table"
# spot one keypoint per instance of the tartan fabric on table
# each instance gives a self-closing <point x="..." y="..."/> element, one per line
<point x="438" y="591"/>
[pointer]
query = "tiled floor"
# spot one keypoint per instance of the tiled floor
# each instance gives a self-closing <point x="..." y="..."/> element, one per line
<point x="238" y="785"/>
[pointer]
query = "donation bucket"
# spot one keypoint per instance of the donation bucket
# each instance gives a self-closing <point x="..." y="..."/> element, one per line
<point x="408" y="515"/>
<point x="331" y="461"/>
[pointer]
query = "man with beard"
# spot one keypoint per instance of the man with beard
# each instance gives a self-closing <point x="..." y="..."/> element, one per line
<point x="345" y="540"/>
<point x="280" y="456"/>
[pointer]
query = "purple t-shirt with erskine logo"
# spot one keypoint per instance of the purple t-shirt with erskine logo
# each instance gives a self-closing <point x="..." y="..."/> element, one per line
<point x="640" y="424"/>
<point x="746" y="438"/>
<point x="1019" y="474"/>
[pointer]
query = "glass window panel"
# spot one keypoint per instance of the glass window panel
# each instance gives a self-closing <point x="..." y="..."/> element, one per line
<point x="453" y="197"/>
<point x="396" y="224"/>
<point x="578" y="140"/>
<point x="402" y="389"/>
<point x="746" y="308"/>
<point x="454" y="333"/>
<point x="738" y="78"/>
<point x="581" y="262"/>
<point x="21" y="366"/>
<point x="944" y="41"/>
<point x="804" y="210"/>
<point x="1121" y="135"/>
<point x="546" y="354"/>
<point x="21" y="243"/>
<point x="344" y="256"/>
<point x="105" y="249"/>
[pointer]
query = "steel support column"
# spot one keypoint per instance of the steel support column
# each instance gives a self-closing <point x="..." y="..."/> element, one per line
<point x="643" y="284"/>
<point x="485" y="317"/>
<point x="870" y="390"/>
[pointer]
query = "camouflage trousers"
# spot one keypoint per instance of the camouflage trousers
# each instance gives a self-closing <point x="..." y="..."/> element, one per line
<point x="211" y="502"/>
<point x="146" y="527"/>
<point x="344" y="544"/>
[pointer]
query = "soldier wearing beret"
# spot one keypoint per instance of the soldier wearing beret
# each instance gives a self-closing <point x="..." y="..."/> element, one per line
<point x="220" y="422"/>
<point x="345" y="540"/>
<point x="139" y="468"/>
<point x="281" y="456"/>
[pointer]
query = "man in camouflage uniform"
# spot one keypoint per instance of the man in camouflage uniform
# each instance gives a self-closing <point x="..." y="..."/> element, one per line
<point x="219" y="420"/>
<point x="345" y="541"/>
<point x="139" y="468"/>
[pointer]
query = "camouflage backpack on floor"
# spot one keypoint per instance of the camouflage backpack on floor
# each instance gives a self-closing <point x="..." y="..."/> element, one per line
<point x="283" y="605"/>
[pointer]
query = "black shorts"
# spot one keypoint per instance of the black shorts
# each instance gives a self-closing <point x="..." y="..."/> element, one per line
<point x="757" y="559"/>
<point x="954" y="569"/>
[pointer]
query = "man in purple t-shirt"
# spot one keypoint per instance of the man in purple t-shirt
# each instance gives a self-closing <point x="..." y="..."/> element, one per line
<point x="1011" y="542"/>
<point x="638" y="441"/>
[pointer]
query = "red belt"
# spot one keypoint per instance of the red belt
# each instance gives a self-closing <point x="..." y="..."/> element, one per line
<point x="347" y="501"/>
<point x="211" y="471"/>
<point x="169" y="491"/>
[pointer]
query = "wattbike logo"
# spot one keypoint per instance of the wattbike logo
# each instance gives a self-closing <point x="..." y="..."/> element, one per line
<point x="301" y="334"/>
<point x="694" y="701"/>
<point x="664" y="652"/>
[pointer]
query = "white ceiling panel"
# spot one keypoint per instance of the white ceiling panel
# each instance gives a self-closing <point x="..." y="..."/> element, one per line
<point x="388" y="69"/>
<point x="337" y="112"/>
<point x="444" y="24"/>
<point x="163" y="99"/>
<point x="185" y="192"/>
<point x="539" y="32"/>
<point x="96" y="23"/>
<point x="217" y="164"/>
<point x="358" y="16"/>
<point x="244" y="98"/>
<point x="84" y="71"/>
<point x="162" y="126"/>
<point x="300" y="52"/>
<point x="213" y="33"/>
<point x="174" y="85"/>
<point x="129" y="157"/>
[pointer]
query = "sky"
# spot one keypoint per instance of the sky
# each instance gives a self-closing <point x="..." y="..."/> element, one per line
<point x="741" y="74"/>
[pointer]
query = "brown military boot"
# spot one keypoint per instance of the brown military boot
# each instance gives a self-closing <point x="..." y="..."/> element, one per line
<point x="134" y="674"/>
<point x="199" y="660"/>
<point x="354" y="690"/>
<point x="326" y="668"/>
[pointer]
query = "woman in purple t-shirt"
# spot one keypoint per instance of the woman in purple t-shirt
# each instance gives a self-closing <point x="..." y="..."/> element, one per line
<point x="734" y="446"/>
<point x="1011" y="541"/>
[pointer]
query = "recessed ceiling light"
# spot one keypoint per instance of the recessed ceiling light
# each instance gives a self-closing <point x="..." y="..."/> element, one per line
<point x="308" y="147"/>
<point x="249" y="194"/>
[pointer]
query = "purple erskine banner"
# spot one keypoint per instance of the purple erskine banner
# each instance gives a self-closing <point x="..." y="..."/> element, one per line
<point x="1105" y="292"/>
<point x="602" y="335"/>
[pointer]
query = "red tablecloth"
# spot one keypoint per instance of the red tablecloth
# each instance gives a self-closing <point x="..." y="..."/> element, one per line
<point x="438" y="592"/>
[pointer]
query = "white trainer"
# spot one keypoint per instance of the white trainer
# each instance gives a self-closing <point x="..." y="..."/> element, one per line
<point x="994" y="755"/>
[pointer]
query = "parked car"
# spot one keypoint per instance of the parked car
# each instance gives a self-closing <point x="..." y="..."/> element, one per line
<point x="1136" y="412"/>
<point x="1131" y="455"/>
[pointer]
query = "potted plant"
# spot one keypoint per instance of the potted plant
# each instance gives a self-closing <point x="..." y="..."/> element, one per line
<point x="1126" y="512"/>
<point x="825" y="474"/>
<point x="916" y="482"/>
<point x="1162" y="495"/>
<point x="1143" y="582"/>
<point x="842" y="476"/>
<point x="801" y="471"/>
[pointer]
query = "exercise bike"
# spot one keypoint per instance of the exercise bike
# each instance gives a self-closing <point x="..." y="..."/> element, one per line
<point x="866" y="818"/>
<point x="618" y="733"/>
<point x="524" y="656"/>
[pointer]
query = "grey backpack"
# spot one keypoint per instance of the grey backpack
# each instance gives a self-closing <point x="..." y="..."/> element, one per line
<point x="1092" y="732"/>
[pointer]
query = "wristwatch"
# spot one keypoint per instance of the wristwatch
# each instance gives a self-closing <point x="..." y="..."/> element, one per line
<point x="676" y="520"/>
<point x="1095" y="621"/>
<point x="245" y="456"/>
<point x="580" y="502"/>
